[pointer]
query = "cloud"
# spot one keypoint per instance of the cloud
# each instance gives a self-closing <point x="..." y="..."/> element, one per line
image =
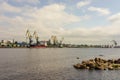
<point x="48" y="20"/>
<point x="86" y="17"/>
<point x="5" y="7"/>
<point x="115" y="18"/>
<point x="52" y="20"/>
<point x="27" y="1"/>
<point x="83" y="3"/>
<point x="101" y="11"/>
<point x="50" y="16"/>
<point x="98" y="34"/>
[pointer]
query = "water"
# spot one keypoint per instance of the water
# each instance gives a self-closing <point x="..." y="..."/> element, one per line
<point x="54" y="64"/>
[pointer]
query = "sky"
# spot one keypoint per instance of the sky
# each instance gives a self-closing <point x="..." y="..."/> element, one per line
<point x="78" y="21"/>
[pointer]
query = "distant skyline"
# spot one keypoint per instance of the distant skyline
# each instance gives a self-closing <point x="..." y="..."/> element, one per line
<point x="78" y="21"/>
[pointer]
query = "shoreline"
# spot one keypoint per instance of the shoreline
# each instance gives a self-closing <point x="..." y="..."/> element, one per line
<point x="99" y="64"/>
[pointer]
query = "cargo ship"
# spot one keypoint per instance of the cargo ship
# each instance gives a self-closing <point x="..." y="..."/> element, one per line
<point x="40" y="44"/>
<point x="33" y="41"/>
<point x="37" y="43"/>
<point x="36" y="46"/>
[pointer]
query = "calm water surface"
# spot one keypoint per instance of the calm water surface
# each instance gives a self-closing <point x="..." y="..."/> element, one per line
<point x="53" y="64"/>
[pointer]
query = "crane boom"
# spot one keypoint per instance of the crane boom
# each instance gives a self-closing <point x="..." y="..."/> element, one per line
<point x="29" y="36"/>
<point x="115" y="43"/>
<point x="36" y="37"/>
<point x="54" y="39"/>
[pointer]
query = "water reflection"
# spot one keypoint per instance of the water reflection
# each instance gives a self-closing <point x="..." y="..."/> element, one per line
<point x="52" y="64"/>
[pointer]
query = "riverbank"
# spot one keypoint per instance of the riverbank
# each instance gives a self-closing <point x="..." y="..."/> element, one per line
<point x="99" y="64"/>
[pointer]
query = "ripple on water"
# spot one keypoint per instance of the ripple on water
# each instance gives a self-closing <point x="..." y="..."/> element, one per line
<point x="52" y="64"/>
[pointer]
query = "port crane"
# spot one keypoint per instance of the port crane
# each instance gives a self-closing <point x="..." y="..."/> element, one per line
<point x="29" y="36"/>
<point x="61" y="41"/>
<point x="36" y="37"/>
<point x="54" y="39"/>
<point x="114" y="42"/>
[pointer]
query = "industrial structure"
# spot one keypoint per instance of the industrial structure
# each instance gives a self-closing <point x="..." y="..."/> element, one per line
<point x="52" y="42"/>
<point x="30" y="38"/>
<point x="32" y="41"/>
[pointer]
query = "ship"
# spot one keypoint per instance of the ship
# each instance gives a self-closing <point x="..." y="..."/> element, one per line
<point x="37" y="44"/>
<point x="33" y="41"/>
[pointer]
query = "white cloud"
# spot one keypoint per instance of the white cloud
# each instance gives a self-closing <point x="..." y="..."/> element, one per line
<point x="51" y="16"/>
<point x="102" y="11"/>
<point x="86" y="17"/>
<point x="50" y="20"/>
<point x="47" y="21"/>
<point x="5" y="7"/>
<point x="115" y="18"/>
<point x="98" y="33"/>
<point x="83" y="3"/>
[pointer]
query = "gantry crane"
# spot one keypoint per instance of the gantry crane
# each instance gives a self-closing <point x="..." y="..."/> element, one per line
<point x="36" y="37"/>
<point x="29" y="36"/>
<point x="54" y="39"/>
<point x="61" y="40"/>
<point x="114" y="42"/>
<point x="60" y="44"/>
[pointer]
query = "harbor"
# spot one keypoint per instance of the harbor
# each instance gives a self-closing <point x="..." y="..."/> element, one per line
<point x="33" y="41"/>
<point x="59" y="39"/>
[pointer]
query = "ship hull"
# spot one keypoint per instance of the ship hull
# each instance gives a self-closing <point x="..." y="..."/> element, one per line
<point x="37" y="46"/>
